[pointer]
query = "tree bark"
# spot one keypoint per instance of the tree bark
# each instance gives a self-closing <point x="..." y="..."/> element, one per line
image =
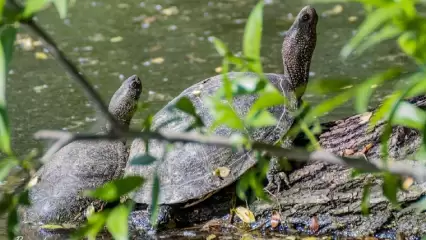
<point x="329" y="193"/>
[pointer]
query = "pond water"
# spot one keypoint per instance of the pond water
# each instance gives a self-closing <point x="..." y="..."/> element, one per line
<point x="166" y="43"/>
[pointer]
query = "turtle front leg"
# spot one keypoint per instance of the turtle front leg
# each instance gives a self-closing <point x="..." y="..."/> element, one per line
<point x="140" y="219"/>
<point x="277" y="177"/>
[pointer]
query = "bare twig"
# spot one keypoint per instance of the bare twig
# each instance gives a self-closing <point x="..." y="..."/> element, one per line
<point x="414" y="169"/>
<point x="70" y="68"/>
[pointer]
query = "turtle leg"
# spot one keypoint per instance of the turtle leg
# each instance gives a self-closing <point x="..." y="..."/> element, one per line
<point x="277" y="177"/>
<point x="140" y="219"/>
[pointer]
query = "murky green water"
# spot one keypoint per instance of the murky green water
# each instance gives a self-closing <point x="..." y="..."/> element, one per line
<point x="166" y="43"/>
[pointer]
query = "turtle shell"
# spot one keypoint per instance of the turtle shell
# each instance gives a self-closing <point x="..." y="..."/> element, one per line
<point x="186" y="172"/>
<point x="56" y="196"/>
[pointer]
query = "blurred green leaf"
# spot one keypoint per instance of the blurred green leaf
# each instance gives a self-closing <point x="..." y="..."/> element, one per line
<point x="12" y="223"/>
<point x="328" y="85"/>
<point x="386" y="33"/>
<point x="224" y="114"/>
<point x="253" y="36"/>
<point x="6" y="165"/>
<point x="185" y="105"/>
<point x="269" y="97"/>
<point x="6" y="203"/>
<point x="227" y="85"/>
<point x="117" y="222"/>
<point x="92" y="227"/>
<point x="34" y="6"/>
<point x="154" y="200"/>
<point x="2" y="3"/>
<point x="410" y="116"/>
<point x="390" y="187"/>
<point x="328" y="105"/>
<point x="220" y="46"/>
<point x="242" y="186"/>
<point x="112" y="191"/>
<point x="382" y="113"/>
<point x="247" y="84"/>
<point x="61" y="6"/>
<point x="370" y="24"/>
<point x="24" y="198"/>
<point x="8" y="36"/>
<point x="365" y="90"/>
<point x="365" y="202"/>
<point x="261" y="119"/>
<point x="145" y="159"/>
<point x="310" y="135"/>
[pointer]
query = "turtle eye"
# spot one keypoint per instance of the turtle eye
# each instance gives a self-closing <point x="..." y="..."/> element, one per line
<point x="135" y="84"/>
<point x="305" y="17"/>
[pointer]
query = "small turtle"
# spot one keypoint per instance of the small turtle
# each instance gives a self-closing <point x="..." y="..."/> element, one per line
<point x="80" y="165"/>
<point x="186" y="173"/>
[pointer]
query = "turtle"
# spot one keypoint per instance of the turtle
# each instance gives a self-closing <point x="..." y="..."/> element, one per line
<point x="186" y="172"/>
<point x="83" y="164"/>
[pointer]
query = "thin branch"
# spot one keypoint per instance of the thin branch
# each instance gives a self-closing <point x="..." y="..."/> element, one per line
<point x="70" y="68"/>
<point x="414" y="169"/>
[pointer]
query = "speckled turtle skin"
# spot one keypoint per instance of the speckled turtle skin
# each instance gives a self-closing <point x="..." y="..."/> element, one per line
<point x="80" y="165"/>
<point x="186" y="174"/>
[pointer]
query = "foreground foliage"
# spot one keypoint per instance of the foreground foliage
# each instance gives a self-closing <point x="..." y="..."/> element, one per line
<point x="385" y="20"/>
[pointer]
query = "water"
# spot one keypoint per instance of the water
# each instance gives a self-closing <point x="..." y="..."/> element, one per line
<point x="166" y="43"/>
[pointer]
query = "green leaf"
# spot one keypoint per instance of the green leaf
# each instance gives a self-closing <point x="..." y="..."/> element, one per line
<point x="8" y="36"/>
<point x="261" y="119"/>
<point x="33" y="6"/>
<point x="384" y="110"/>
<point x="269" y="97"/>
<point x="224" y="114"/>
<point x="145" y="159"/>
<point x="185" y="105"/>
<point x="370" y="24"/>
<point x="117" y="222"/>
<point x="243" y="84"/>
<point x="61" y="6"/>
<point x="253" y="36"/>
<point x="409" y="115"/>
<point x="328" y="105"/>
<point x="12" y="223"/>
<point x="365" y="90"/>
<point x="365" y="202"/>
<point x="328" y="85"/>
<point x="5" y="166"/>
<point x="154" y="199"/>
<point x="390" y="187"/>
<point x="7" y="201"/>
<point x="24" y="198"/>
<point x="93" y="226"/>
<point x="112" y="191"/>
<point x="386" y="33"/>
<point x="220" y="46"/>
<point x="2" y="3"/>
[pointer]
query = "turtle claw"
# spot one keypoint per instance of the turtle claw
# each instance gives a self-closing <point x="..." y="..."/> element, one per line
<point x="277" y="179"/>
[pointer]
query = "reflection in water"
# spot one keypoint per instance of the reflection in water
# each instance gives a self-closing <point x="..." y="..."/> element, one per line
<point x="167" y="44"/>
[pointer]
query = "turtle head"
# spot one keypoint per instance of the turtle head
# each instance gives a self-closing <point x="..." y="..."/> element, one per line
<point x="123" y="103"/>
<point x="298" y="48"/>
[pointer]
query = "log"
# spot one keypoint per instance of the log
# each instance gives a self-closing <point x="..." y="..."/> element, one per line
<point x="329" y="193"/>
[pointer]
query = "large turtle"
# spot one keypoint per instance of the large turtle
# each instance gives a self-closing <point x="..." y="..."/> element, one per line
<point x="185" y="173"/>
<point x="80" y="165"/>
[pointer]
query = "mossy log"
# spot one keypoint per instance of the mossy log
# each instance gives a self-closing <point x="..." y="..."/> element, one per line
<point x="329" y="192"/>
